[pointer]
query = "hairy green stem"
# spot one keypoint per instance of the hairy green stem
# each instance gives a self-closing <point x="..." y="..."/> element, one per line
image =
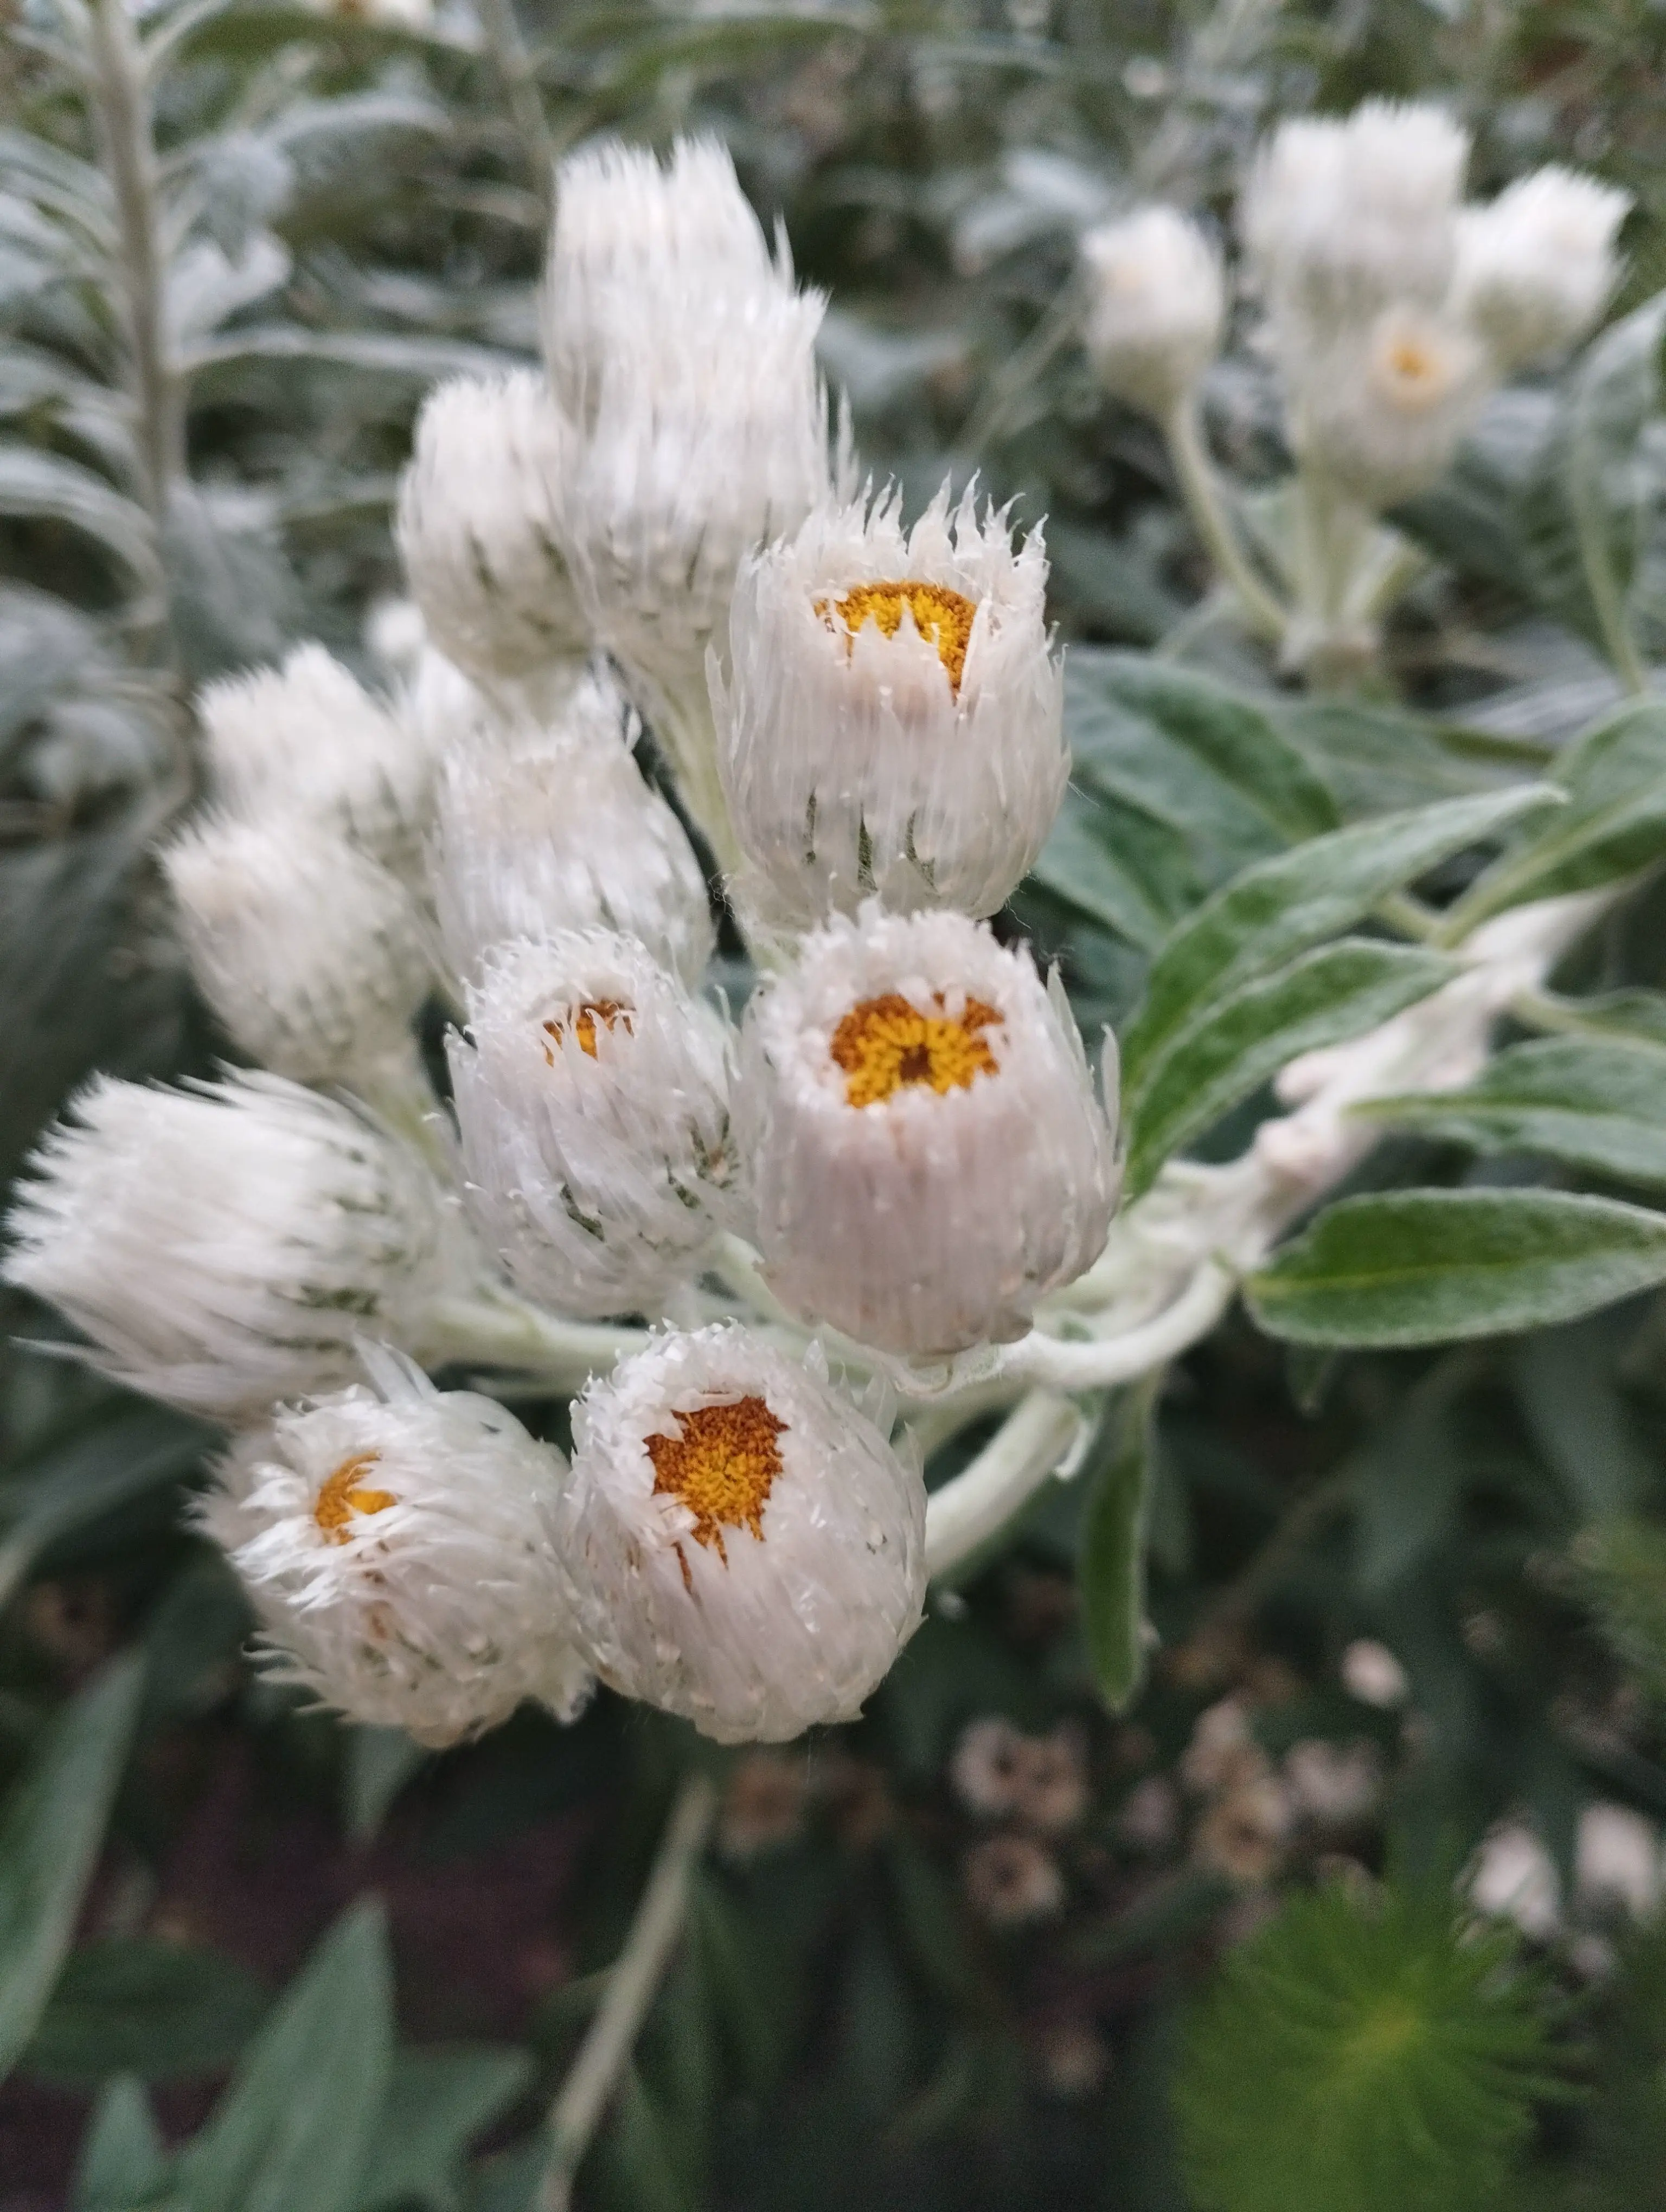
<point x="1195" y="474"/>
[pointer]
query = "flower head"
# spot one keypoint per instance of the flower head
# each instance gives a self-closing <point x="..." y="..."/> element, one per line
<point x="890" y="721"/>
<point x="1537" y="267"/>
<point x="554" y="828"/>
<point x="477" y="526"/>
<point x="1156" y="305"/>
<point x="1012" y="1880"/>
<point x="310" y="952"/>
<point x="747" y="1548"/>
<point x="1384" y="410"/>
<point x="927" y="1153"/>
<point x="222" y="1246"/>
<point x="592" y="1095"/>
<point x="396" y="1543"/>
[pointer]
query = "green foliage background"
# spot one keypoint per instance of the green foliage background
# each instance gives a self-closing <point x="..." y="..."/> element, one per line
<point x="189" y="1941"/>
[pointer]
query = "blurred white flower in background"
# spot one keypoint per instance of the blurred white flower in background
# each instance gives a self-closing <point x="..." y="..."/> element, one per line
<point x="1372" y="1674"/>
<point x="1538" y="266"/>
<point x="1513" y="1877"/>
<point x="1156" y="306"/>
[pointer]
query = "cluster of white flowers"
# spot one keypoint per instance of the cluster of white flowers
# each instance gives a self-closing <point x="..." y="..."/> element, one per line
<point x="902" y="1140"/>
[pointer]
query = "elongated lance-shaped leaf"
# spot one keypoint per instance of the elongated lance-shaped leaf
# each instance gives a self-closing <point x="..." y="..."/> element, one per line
<point x="1430" y="1266"/>
<point x="1280" y="907"/>
<point x="1111" y="1567"/>
<point x="1614" y="824"/>
<point x="1596" y="1105"/>
<point x="1119" y="865"/>
<point x="123" y="2163"/>
<point x="49" y="1833"/>
<point x="1334" y="992"/>
<point x="293" y="2132"/>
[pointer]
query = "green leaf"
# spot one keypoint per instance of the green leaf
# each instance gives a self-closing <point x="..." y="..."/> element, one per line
<point x="383" y="354"/>
<point x="50" y="1834"/>
<point x="1596" y="1105"/>
<point x="1377" y="758"/>
<point x="123" y="2163"/>
<point x="438" y="2101"/>
<point x="1110" y="1564"/>
<point x="1430" y="1266"/>
<point x="294" y="2131"/>
<point x="1119" y="865"/>
<point x="73" y="1483"/>
<point x="35" y="484"/>
<point x="136" y="2005"/>
<point x="377" y="1763"/>
<point x="1337" y="992"/>
<point x="1614" y="824"/>
<point x="1280" y="907"/>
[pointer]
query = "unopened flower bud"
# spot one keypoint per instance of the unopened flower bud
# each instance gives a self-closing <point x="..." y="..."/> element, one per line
<point x="592" y="1096"/>
<point x="1155" y="305"/>
<point x="552" y="828"/>
<point x="1382" y="412"/>
<point x="397" y="1546"/>
<point x="310" y="952"/>
<point x="892" y="719"/>
<point x="1537" y="268"/>
<point x="746" y="1549"/>
<point x="929" y="1155"/>
<point x="478" y="526"/>
<point x="222" y="1246"/>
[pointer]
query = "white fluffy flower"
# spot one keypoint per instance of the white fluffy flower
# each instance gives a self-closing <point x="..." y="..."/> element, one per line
<point x="310" y="952"/>
<point x="478" y="526"/>
<point x="747" y="1548"/>
<point x="592" y="1095"/>
<point x="927" y="1154"/>
<point x="306" y="737"/>
<point x="1537" y="268"/>
<point x="1156" y="304"/>
<point x="891" y="721"/>
<point x="1341" y="219"/>
<point x="222" y="1246"/>
<point x="554" y="828"/>
<point x="397" y="1546"/>
<point x="1384" y="413"/>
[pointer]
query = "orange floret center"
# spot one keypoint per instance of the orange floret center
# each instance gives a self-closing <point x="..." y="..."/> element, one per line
<point x="942" y="616"/>
<point x="343" y="1495"/>
<point x="885" y="1045"/>
<point x="722" y="1467"/>
<point x="607" y="1012"/>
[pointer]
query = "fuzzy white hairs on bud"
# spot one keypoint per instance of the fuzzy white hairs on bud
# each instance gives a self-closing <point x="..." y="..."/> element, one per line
<point x="397" y="1546"/>
<point x="1156" y="306"/>
<point x="547" y="828"/>
<point x="891" y="719"/>
<point x="1537" y="268"/>
<point x="478" y="526"/>
<point x="307" y="739"/>
<point x="311" y="954"/>
<point x="592" y="1096"/>
<point x="222" y="1246"/>
<point x="928" y="1155"/>
<point x="746" y="1549"/>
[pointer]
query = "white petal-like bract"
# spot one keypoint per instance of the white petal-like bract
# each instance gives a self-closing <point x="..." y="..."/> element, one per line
<point x="890" y="720"/>
<point x="592" y="1096"/>
<point x="927" y="1153"/>
<point x="1383" y="410"/>
<point x="1537" y="268"/>
<point x="310" y="952"/>
<point x="747" y="1548"/>
<point x="222" y="1246"/>
<point x="553" y="827"/>
<point x="478" y="526"/>
<point x="396" y="1545"/>
<point x="1156" y="306"/>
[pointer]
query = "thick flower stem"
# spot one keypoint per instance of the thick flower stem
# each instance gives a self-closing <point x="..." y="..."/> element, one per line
<point x="1037" y="1434"/>
<point x="1196" y="478"/>
<point x="632" y="1985"/>
<point x="500" y="1330"/>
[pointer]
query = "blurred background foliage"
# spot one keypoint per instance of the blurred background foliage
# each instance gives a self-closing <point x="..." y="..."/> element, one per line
<point x="958" y="1955"/>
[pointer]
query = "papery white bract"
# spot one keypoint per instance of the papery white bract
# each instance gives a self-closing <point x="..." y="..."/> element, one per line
<point x="592" y="1096"/>
<point x="397" y="1546"/>
<point x="310" y="952"/>
<point x="1155" y="305"/>
<point x="747" y="1548"/>
<point x="308" y="738"/>
<point x="478" y="526"/>
<point x="1537" y="268"/>
<point x="553" y="827"/>
<point x="928" y="1155"/>
<point x="223" y="1245"/>
<point x="891" y="719"/>
<point x="1382" y="412"/>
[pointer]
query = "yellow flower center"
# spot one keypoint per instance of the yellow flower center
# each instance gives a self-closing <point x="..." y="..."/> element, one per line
<point x="722" y="1466"/>
<point x="1415" y="372"/>
<point x="885" y="1044"/>
<point x="607" y="1012"/>
<point x="943" y="617"/>
<point x="343" y="1495"/>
